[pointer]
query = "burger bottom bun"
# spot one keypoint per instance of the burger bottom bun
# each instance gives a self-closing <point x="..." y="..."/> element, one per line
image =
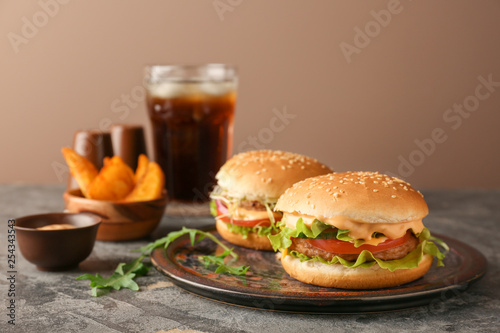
<point x="339" y="276"/>
<point x="253" y="240"/>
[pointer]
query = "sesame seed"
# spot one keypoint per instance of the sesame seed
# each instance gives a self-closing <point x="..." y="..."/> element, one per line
<point x="258" y="172"/>
<point x="394" y="188"/>
<point x="302" y="167"/>
<point x="393" y="196"/>
<point x="375" y="190"/>
<point x="283" y="167"/>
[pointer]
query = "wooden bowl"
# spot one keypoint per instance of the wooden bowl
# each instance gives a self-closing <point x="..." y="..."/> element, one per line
<point x="56" y="250"/>
<point x="121" y="221"/>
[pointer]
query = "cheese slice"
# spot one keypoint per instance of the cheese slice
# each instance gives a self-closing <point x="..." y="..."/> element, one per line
<point x="375" y="241"/>
<point x="359" y="230"/>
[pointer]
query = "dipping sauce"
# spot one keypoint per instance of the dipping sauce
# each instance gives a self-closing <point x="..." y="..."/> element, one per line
<point x="57" y="227"/>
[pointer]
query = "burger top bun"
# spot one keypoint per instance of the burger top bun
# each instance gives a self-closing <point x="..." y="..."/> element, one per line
<point x="367" y="197"/>
<point x="266" y="174"/>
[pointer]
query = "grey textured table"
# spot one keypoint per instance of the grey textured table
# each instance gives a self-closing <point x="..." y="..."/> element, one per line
<point x="56" y="302"/>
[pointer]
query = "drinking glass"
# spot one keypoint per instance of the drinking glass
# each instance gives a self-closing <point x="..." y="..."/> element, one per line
<point x="191" y="109"/>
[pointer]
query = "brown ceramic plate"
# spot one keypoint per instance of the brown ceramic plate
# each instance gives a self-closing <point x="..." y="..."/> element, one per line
<point x="267" y="286"/>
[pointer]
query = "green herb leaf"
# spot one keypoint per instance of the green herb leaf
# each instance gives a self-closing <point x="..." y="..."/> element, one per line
<point x="222" y="267"/>
<point x="123" y="277"/>
<point x="124" y="274"/>
<point x="167" y="240"/>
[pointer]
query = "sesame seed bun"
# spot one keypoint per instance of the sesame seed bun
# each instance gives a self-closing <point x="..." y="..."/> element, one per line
<point x="339" y="276"/>
<point x="253" y="240"/>
<point x="375" y="202"/>
<point x="367" y="197"/>
<point x="264" y="175"/>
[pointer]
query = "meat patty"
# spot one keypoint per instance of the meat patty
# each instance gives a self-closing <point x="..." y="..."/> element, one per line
<point x="398" y="252"/>
<point x="252" y="205"/>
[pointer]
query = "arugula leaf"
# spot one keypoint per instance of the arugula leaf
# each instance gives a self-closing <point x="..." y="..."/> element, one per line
<point x="123" y="277"/>
<point x="124" y="274"/>
<point x="165" y="241"/>
<point x="222" y="267"/>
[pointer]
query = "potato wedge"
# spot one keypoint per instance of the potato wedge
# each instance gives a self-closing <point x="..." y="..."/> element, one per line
<point x="106" y="160"/>
<point x="150" y="186"/>
<point x="114" y="181"/>
<point x="142" y="166"/>
<point x="82" y="169"/>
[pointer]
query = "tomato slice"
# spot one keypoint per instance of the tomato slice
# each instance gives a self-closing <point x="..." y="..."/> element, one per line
<point x="343" y="247"/>
<point x="223" y="212"/>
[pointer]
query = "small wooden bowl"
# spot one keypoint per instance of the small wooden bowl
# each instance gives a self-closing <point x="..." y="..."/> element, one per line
<point x="121" y="221"/>
<point x="56" y="250"/>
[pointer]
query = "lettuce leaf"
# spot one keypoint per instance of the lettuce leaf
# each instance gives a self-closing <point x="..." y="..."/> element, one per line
<point x="282" y="240"/>
<point x="343" y="235"/>
<point x="260" y="230"/>
<point x="366" y="258"/>
<point x="244" y="231"/>
<point x="213" y="208"/>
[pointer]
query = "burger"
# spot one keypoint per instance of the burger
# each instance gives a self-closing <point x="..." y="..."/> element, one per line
<point x="355" y="230"/>
<point x="248" y="186"/>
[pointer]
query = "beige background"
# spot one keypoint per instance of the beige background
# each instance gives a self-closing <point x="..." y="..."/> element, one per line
<point x="72" y="71"/>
